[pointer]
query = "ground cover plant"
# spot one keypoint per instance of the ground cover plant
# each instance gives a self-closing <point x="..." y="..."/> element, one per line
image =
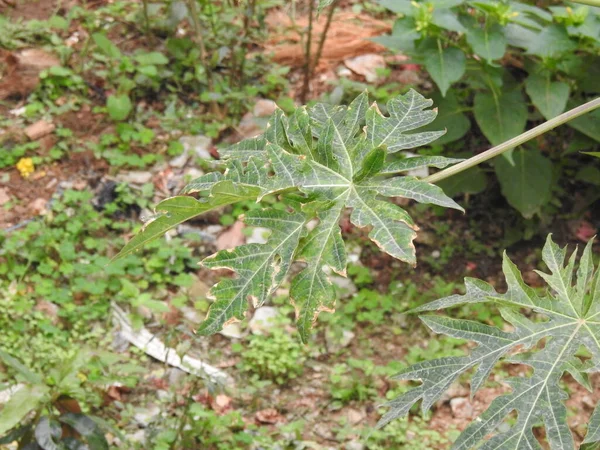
<point x="120" y="105"/>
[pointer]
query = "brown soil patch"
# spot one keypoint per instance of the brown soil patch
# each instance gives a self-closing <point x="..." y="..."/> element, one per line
<point x="30" y="196"/>
<point x="28" y="9"/>
<point x="84" y="123"/>
<point x="347" y="37"/>
<point x="20" y="72"/>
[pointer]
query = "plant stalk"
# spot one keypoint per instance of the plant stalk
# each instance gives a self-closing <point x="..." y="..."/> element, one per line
<point x="146" y="17"/>
<point x="323" y="38"/>
<point x="307" y="53"/>
<point x="595" y="3"/>
<point x="193" y="8"/>
<point x="516" y="141"/>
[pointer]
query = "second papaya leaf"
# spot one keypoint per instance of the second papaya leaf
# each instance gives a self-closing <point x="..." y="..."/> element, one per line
<point x="548" y="96"/>
<point x="526" y="185"/>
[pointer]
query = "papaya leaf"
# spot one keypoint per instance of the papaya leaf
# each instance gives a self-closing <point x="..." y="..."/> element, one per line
<point x="320" y="161"/>
<point x="176" y="210"/>
<point x="259" y="267"/>
<point x="568" y="318"/>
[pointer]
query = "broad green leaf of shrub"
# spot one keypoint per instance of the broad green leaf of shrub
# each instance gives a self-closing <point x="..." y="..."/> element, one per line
<point x="20" y="404"/>
<point x="151" y="59"/>
<point x="106" y="46"/>
<point x="119" y="106"/>
<point x="552" y="41"/>
<point x="500" y="116"/>
<point x="447" y="20"/>
<point x="321" y="161"/>
<point x="403" y="37"/>
<point x="519" y="36"/>
<point x="445" y="65"/>
<point x="527" y="184"/>
<point x="489" y="42"/>
<point x="596" y="154"/>
<point x="565" y="317"/>
<point x="586" y="124"/>
<point x="398" y="6"/>
<point x="548" y="96"/>
<point x="471" y="181"/>
<point x="451" y="117"/>
<point x="87" y="428"/>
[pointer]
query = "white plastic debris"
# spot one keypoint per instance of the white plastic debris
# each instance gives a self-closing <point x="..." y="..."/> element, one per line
<point x="154" y="347"/>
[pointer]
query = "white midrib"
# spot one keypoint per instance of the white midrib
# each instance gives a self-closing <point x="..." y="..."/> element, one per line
<point x="224" y="310"/>
<point x="499" y="350"/>
<point x="544" y="383"/>
<point x="318" y="266"/>
<point x="400" y="122"/>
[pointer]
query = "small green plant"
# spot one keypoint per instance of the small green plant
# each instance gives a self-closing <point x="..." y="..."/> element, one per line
<point x="277" y="357"/>
<point x="212" y="63"/>
<point x="44" y="413"/>
<point x="54" y="280"/>
<point x="352" y="382"/>
<point x="408" y="434"/>
<point x="569" y="312"/>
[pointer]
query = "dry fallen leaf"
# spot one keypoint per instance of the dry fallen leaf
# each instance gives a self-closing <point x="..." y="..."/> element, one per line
<point x="366" y="65"/>
<point x="270" y="416"/>
<point x="232" y="237"/>
<point x="39" y="129"/>
<point x="221" y="404"/>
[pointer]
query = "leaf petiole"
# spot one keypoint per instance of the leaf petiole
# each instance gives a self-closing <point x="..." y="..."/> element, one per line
<point x="515" y="142"/>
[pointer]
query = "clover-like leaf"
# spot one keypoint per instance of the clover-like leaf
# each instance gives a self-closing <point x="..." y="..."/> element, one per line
<point x="322" y="160"/>
<point x="571" y="319"/>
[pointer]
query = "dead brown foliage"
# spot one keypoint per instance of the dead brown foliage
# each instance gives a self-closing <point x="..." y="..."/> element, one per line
<point x="347" y="37"/>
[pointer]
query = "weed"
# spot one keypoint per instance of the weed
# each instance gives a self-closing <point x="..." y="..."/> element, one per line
<point x="278" y="357"/>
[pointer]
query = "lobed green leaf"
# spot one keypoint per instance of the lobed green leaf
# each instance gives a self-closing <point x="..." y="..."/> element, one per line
<point x="321" y="160"/>
<point x="570" y="309"/>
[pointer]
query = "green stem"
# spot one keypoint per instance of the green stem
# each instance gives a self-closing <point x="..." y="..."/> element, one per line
<point x="307" y="53"/>
<point x="193" y="9"/>
<point x="323" y="38"/>
<point x="146" y="17"/>
<point x="514" y="142"/>
<point x="595" y="3"/>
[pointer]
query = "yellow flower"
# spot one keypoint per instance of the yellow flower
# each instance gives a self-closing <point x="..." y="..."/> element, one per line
<point x="25" y="167"/>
